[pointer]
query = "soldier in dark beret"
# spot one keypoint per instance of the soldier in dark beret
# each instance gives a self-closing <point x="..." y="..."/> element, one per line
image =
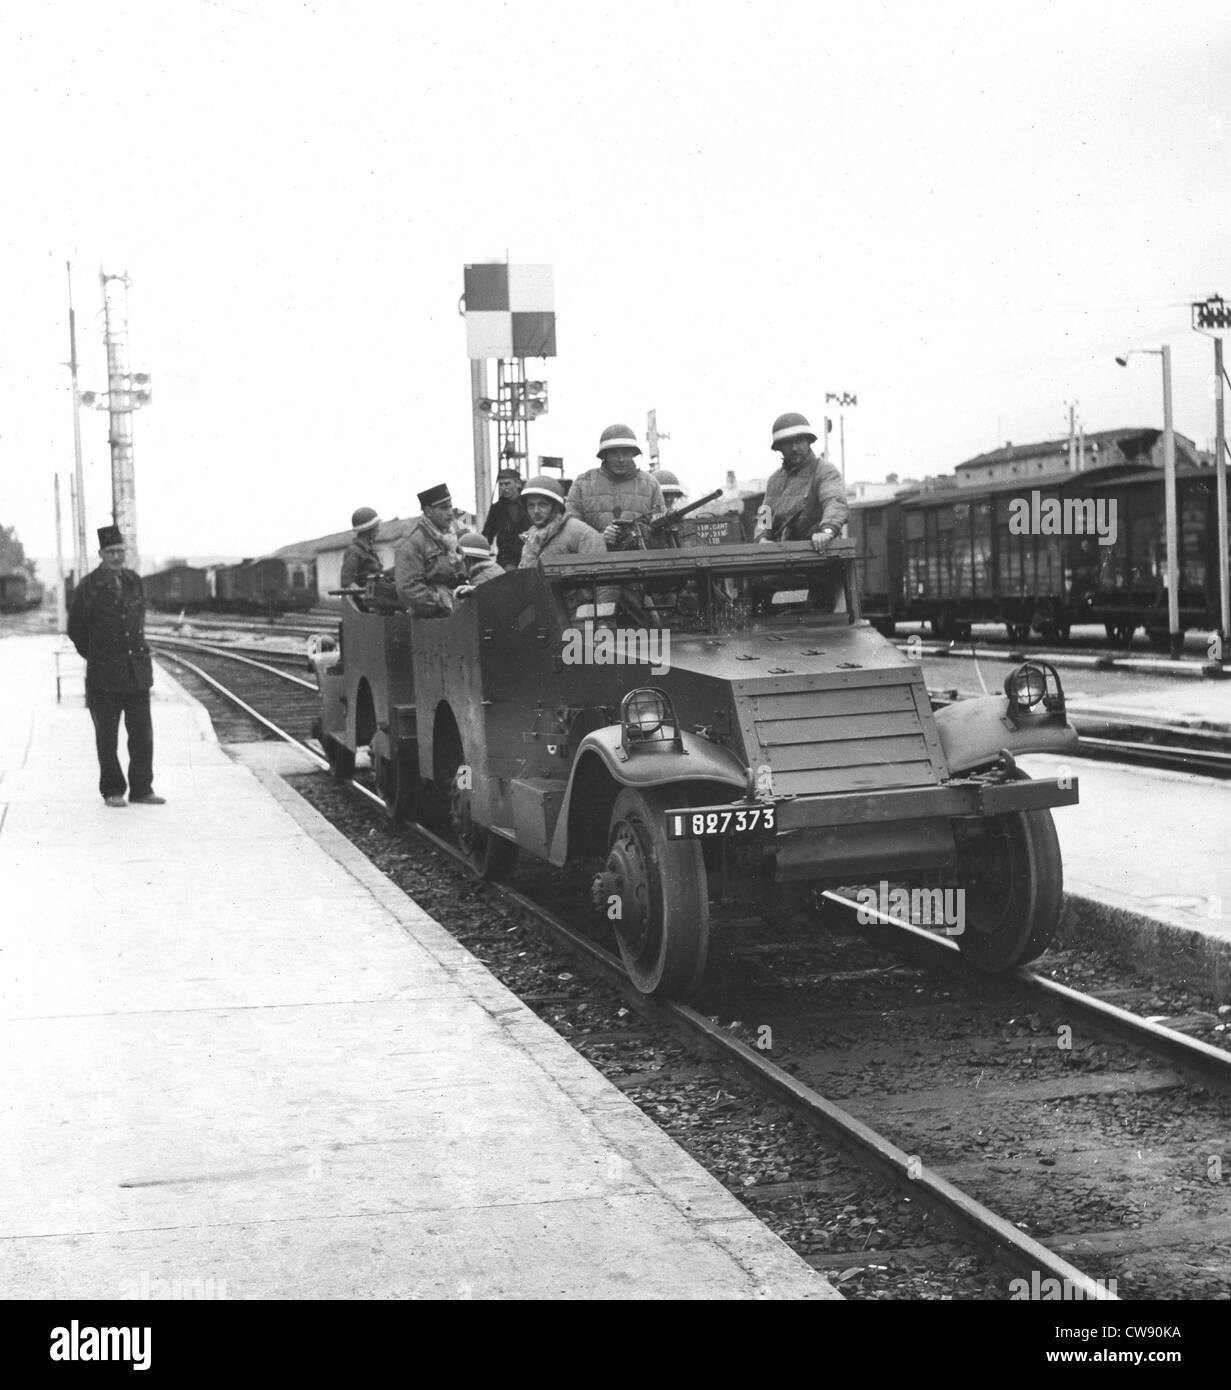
<point x="107" y="626"/>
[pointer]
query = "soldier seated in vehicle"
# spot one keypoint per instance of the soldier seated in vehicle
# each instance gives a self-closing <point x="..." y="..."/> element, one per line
<point x="554" y="532"/>
<point x="428" y="565"/>
<point x="362" y="560"/>
<point x="480" y="564"/>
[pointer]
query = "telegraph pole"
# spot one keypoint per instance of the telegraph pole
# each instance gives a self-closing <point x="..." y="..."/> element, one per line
<point x="81" y="552"/>
<point x="61" y="606"/>
<point x="652" y="435"/>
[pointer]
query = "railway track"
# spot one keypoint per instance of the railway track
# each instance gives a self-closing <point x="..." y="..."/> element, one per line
<point x="1088" y="1147"/>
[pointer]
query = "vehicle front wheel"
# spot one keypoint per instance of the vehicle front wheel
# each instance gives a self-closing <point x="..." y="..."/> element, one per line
<point x="655" y="892"/>
<point x="1013" y="876"/>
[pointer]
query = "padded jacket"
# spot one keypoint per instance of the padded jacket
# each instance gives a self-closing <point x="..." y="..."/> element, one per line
<point x="812" y="496"/>
<point x="595" y="496"/>
<point x="427" y="567"/>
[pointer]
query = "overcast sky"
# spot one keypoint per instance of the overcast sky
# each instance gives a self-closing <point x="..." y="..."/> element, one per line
<point x="959" y="212"/>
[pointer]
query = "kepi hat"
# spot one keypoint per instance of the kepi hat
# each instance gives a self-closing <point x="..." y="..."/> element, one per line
<point x="437" y="496"/>
<point x="109" y="536"/>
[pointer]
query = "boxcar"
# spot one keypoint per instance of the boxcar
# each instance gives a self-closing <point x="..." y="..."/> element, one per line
<point x="957" y="557"/>
<point x="181" y="588"/>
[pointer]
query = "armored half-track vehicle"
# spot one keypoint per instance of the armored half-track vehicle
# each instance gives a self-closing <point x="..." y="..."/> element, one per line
<point x="701" y="723"/>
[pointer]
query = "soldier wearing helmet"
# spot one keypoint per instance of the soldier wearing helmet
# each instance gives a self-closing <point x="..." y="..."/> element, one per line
<point x="480" y="565"/>
<point x="616" y="493"/>
<point x="508" y="520"/>
<point x="362" y="560"/>
<point x="552" y="530"/>
<point x="806" y="498"/>
<point x="672" y="490"/>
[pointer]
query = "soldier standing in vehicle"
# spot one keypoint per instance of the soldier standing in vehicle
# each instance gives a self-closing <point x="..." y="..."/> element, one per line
<point x="507" y="521"/>
<point x="805" y="499"/>
<point x="616" y="494"/>
<point x="107" y="626"/>
<point x="362" y="560"/>
<point x="428" y="565"/>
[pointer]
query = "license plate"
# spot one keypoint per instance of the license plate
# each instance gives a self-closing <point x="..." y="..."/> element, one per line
<point x="733" y="822"/>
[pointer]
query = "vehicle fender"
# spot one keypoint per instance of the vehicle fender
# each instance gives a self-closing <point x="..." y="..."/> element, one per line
<point x="651" y="765"/>
<point x="972" y="733"/>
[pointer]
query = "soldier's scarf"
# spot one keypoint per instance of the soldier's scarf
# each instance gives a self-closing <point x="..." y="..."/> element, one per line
<point x="539" y="536"/>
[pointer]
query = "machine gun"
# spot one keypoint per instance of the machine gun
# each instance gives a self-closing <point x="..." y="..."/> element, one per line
<point x="667" y="525"/>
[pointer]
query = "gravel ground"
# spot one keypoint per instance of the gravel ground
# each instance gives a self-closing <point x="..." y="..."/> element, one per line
<point x="835" y="1215"/>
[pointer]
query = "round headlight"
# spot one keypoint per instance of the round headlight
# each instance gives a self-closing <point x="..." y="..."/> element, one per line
<point x="644" y="712"/>
<point x="1027" y="685"/>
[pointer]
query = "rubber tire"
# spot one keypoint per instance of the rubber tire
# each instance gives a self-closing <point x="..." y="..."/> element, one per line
<point x="1020" y="916"/>
<point x="668" y="957"/>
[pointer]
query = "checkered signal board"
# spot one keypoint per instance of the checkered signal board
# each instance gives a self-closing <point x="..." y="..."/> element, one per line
<point x="510" y="311"/>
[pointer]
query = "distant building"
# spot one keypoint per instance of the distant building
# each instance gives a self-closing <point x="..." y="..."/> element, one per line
<point x="328" y="552"/>
<point x="881" y="492"/>
<point x="1143" y="447"/>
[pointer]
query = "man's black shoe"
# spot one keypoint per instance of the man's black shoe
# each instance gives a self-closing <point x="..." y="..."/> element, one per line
<point x="149" y="799"/>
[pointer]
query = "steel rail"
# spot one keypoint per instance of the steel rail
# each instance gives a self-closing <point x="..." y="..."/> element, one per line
<point x="1196" y="1058"/>
<point x="195" y="646"/>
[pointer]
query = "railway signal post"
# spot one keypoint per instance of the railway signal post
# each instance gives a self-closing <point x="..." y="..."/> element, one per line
<point x="1213" y="316"/>
<point x="510" y="315"/>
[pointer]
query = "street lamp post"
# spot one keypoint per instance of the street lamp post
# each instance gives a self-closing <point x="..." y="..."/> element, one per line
<point x="1176" y="635"/>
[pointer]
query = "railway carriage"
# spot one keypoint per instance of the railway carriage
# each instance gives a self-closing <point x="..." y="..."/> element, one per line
<point x="19" y="593"/>
<point x="734" y="726"/>
<point x="955" y="557"/>
<point x="179" y="588"/>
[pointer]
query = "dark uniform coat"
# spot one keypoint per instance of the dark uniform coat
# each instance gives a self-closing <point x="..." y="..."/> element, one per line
<point x="506" y="524"/>
<point x="107" y="626"/>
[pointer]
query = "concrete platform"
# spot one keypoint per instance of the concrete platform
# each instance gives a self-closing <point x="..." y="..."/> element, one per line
<point x="237" y="1059"/>
<point x="1146" y="867"/>
<point x="1200" y="707"/>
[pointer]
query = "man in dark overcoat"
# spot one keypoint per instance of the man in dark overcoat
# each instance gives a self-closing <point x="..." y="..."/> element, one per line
<point x="508" y="520"/>
<point x="107" y="626"/>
